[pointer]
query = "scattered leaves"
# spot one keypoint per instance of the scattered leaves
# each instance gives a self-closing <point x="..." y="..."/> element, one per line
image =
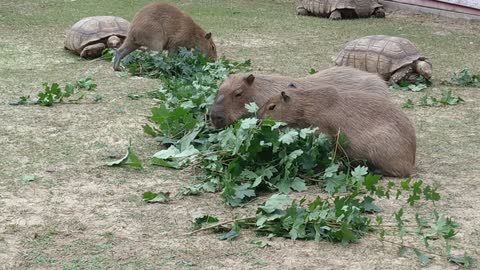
<point x="464" y="77"/>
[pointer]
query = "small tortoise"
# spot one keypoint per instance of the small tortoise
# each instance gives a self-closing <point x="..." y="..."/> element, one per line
<point x="338" y="9"/>
<point x="394" y="58"/>
<point x="89" y="36"/>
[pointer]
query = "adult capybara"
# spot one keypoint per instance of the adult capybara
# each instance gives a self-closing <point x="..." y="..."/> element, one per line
<point x="377" y="131"/>
<point x="240" y="89"/>
<point x="160" y="26"/>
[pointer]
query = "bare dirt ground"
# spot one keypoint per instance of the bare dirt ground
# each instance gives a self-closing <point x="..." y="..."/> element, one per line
<point x="80" y="214"/>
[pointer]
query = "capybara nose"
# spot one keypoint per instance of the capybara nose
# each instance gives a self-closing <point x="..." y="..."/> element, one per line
<point x="218" y="120"/>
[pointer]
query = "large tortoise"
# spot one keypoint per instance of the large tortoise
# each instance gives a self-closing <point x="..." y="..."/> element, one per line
<point x="89" y="36"/>
<point x="394" y="58"/>
<point x="338" y="9"/>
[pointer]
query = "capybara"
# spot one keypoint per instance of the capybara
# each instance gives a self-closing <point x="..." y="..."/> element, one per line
<point x="377" y="131"/>
<point x="160" y="26"/>
<point x="240" y="89"/>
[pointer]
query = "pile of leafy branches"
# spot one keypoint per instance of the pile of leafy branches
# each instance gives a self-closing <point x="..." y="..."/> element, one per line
<point x="253" y="156"/>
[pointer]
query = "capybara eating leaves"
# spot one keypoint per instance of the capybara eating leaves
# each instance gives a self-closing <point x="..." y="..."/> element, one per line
<point x="240" y="89"/>
<point x="160" y="26"/>
<point x="377" y="131"/>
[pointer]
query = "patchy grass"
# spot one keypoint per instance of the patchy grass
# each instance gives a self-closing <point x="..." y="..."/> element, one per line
<point x="79" y="214"/>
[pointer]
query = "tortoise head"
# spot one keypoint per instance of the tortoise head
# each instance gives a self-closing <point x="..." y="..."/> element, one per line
<point x="114" y="42"/>
<point x="424" y="68"/>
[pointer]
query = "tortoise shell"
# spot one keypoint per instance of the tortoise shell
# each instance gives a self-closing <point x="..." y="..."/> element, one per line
<point x="379" y="54"/>
<point x="94" y="29"/>
<point x="363" y="8"/>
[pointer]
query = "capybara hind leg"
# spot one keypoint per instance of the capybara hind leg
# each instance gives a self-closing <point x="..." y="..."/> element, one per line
<point x="124" y="50"/>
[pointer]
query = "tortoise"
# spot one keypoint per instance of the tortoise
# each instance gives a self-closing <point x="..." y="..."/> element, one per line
<point x="393" y="58"/>
<point x="338" y="9"/>
<point x="91" y="35"/>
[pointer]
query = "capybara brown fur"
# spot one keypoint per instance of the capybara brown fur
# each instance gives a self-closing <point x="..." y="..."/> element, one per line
<point x="240" y="89"/>
<point x="161" y="26"/>
<point x="377" y="131"/>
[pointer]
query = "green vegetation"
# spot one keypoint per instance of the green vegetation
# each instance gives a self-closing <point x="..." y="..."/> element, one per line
<point x="253" y="156"/>
<point x="53" y="93"/>
<point x="464" y="77"/>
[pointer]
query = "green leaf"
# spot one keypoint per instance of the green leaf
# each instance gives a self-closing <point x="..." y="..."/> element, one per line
<point x="431" y="193"/>
<point x="202" y="220"/>
<point x="403" y="251"/>
<point x="232" y="234"/>
<point x="408" y="104"/>
<point x="160" y="197"/>
<point x="369" y="206"/>
<point x="251" y="107"/>
<point x="259" y="243"/>
<point x="312" y="71"/>
<point x="371" y="181"/>
<point x="359" y="172"/>
<point x="130" y="159"/>
<point x="464" y="261"/>
<point x="244" y="192"/>
<point x="27" y="178"/>
<point x="248" y="123"/>
<point x="289" y="137"/>
<point x="275" y="202"/>
<point x="298" y="185"/>
<point x="425" y="259"/>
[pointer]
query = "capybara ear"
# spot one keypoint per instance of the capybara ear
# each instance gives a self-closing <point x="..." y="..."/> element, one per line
<point x="249" y="79"/>
<point x="285" y="97"/>
<point x="208" y="35"/>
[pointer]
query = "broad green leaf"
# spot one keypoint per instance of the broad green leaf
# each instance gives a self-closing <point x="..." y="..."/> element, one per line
<point x="160" y="197"/>
<point x="425" y="259"/>
<point x="130" y="159"/>
<point x="298" y="185"/>
<point x="276" y="201"/>
<point x="202" y="220"/>
<point x="248" y="123"/>
<point x="289" y="137"/>
<point x="251" y="107"/>
<point x="232" y="234"/>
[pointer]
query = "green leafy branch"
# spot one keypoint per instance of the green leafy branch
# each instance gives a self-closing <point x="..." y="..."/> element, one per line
<point x="53" y="93"/>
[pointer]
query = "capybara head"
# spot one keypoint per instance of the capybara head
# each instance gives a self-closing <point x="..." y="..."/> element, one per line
<point x="234" y="93"/>
<point x="114" y="42"/>
<point x="207" y="46"/>
<point x="281" y="108"/>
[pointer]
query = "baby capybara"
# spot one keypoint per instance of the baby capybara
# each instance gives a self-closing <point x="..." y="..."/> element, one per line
<point x="160" y="26"/>
<point x="240" y="89"/>
<point x="377" y="131"/>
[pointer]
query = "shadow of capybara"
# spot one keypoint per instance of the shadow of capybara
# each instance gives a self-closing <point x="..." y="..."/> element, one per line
<point x="377" y="131"/>
<point x="240" y="89"/>
<point x="161" y="26"/>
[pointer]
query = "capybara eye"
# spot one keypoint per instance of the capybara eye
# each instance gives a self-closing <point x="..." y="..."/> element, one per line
<point x="271" y="107"/>
<point x="238" y="93"/>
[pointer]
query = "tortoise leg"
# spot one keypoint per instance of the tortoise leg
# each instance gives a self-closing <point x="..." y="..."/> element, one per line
<point x="379" y="12"/>
<point x="335" y="15"/>
<point x="302" y="11"/>
<point x="92" y="51"/>
<point x="400" y="74"/>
